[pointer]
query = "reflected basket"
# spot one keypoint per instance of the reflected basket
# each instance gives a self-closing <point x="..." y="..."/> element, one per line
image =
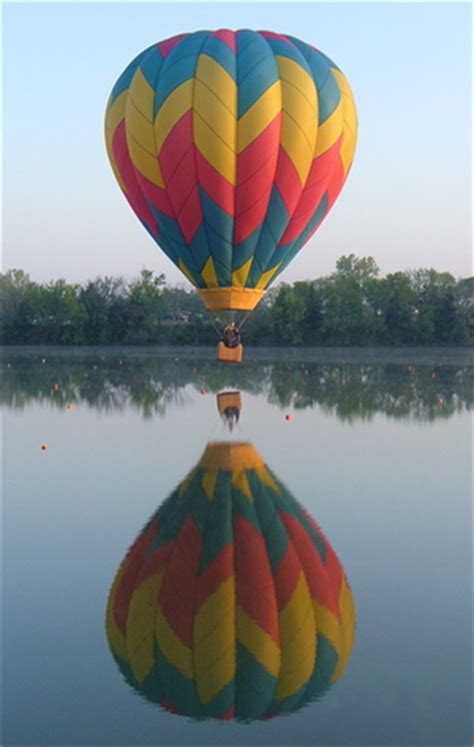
<point x="226" y="400"/>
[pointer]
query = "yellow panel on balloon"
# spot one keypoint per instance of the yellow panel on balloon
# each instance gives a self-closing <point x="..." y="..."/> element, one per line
<point x="141" y="626"/>
<point x="259" y="116"/>
<point x="214" y="641"/>
<point x="298" y="641"/>
<point x="262" y="647"/>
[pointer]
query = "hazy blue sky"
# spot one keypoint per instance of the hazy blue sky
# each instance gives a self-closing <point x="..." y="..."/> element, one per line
<point x="407" y="200"/>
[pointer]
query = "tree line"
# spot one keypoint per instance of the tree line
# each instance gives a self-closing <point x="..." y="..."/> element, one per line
<point x="351" y="306"/>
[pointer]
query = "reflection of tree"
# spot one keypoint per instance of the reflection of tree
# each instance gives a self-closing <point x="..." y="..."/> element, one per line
<point x="355" y="391"/>
<point x="352" y="390"/>
<point x="105" y="383"/>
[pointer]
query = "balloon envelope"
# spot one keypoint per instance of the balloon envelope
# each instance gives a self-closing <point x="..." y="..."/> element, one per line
<point x="231" y="148"/>
<point x="231" y="603"/>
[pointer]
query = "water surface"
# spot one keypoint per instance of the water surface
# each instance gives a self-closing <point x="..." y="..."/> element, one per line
<point x="376" y="448"/>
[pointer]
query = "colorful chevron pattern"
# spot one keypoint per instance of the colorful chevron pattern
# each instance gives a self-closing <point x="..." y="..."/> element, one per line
<point x="231" y="148"/>
<point x="231" y="603"/>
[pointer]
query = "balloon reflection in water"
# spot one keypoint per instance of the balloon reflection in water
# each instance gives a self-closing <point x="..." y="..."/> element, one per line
<point x="231" y="603"/>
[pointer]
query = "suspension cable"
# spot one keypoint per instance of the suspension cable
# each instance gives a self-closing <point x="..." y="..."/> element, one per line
<point x="245" y="319"/>
<point x="215" y="324"/>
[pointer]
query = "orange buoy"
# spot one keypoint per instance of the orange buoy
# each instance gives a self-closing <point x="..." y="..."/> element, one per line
<point x="288" y="417"/>
<point x="44" y="447"/>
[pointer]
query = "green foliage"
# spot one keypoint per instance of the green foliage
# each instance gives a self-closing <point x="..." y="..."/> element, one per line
<point x="397" y="302"/>
<point x="14" y="285"/>
<point x="31" y="313"/>
<point x="296" y="314"/>
<point x="352" y="306"/>
<point x="101" y="299"/>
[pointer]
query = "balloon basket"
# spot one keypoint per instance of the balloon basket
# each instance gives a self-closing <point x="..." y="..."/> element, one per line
<point x="229" y="399"/>
<point x="231" y="355"/>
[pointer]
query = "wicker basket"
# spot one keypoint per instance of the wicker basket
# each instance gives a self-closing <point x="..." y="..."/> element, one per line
<point x="233" y="355"/>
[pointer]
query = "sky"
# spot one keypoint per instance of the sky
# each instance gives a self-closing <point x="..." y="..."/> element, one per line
<point x="407" y="201"/>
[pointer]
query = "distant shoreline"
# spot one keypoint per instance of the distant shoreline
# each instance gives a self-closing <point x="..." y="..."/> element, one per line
<point x="429" y="354"/>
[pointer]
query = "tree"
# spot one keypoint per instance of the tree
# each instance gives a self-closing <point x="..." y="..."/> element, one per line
<point x="145" y="308"/>
<point x="398" y="302"/>
<point x="13" y="286"/>
<point x="362" y="269"/>
<point x="179" y="304"/>
<point x="347" y="311"/>
<point x="464" y="299"/>
<point x="436" y="307"/>
<point x="50" y="314"/>
<point x="98" y="298"/>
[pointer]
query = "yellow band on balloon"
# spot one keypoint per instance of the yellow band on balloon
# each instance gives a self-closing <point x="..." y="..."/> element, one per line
<point x="238" y="299"/>
<point x="230" y="456"/>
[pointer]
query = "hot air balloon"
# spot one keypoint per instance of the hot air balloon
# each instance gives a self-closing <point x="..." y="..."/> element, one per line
<point x="231" y="603"/>
<point x="231" y="148"/>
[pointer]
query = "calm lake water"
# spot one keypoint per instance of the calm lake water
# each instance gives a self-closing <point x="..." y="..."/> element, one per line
<point x="376" y="448"/>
